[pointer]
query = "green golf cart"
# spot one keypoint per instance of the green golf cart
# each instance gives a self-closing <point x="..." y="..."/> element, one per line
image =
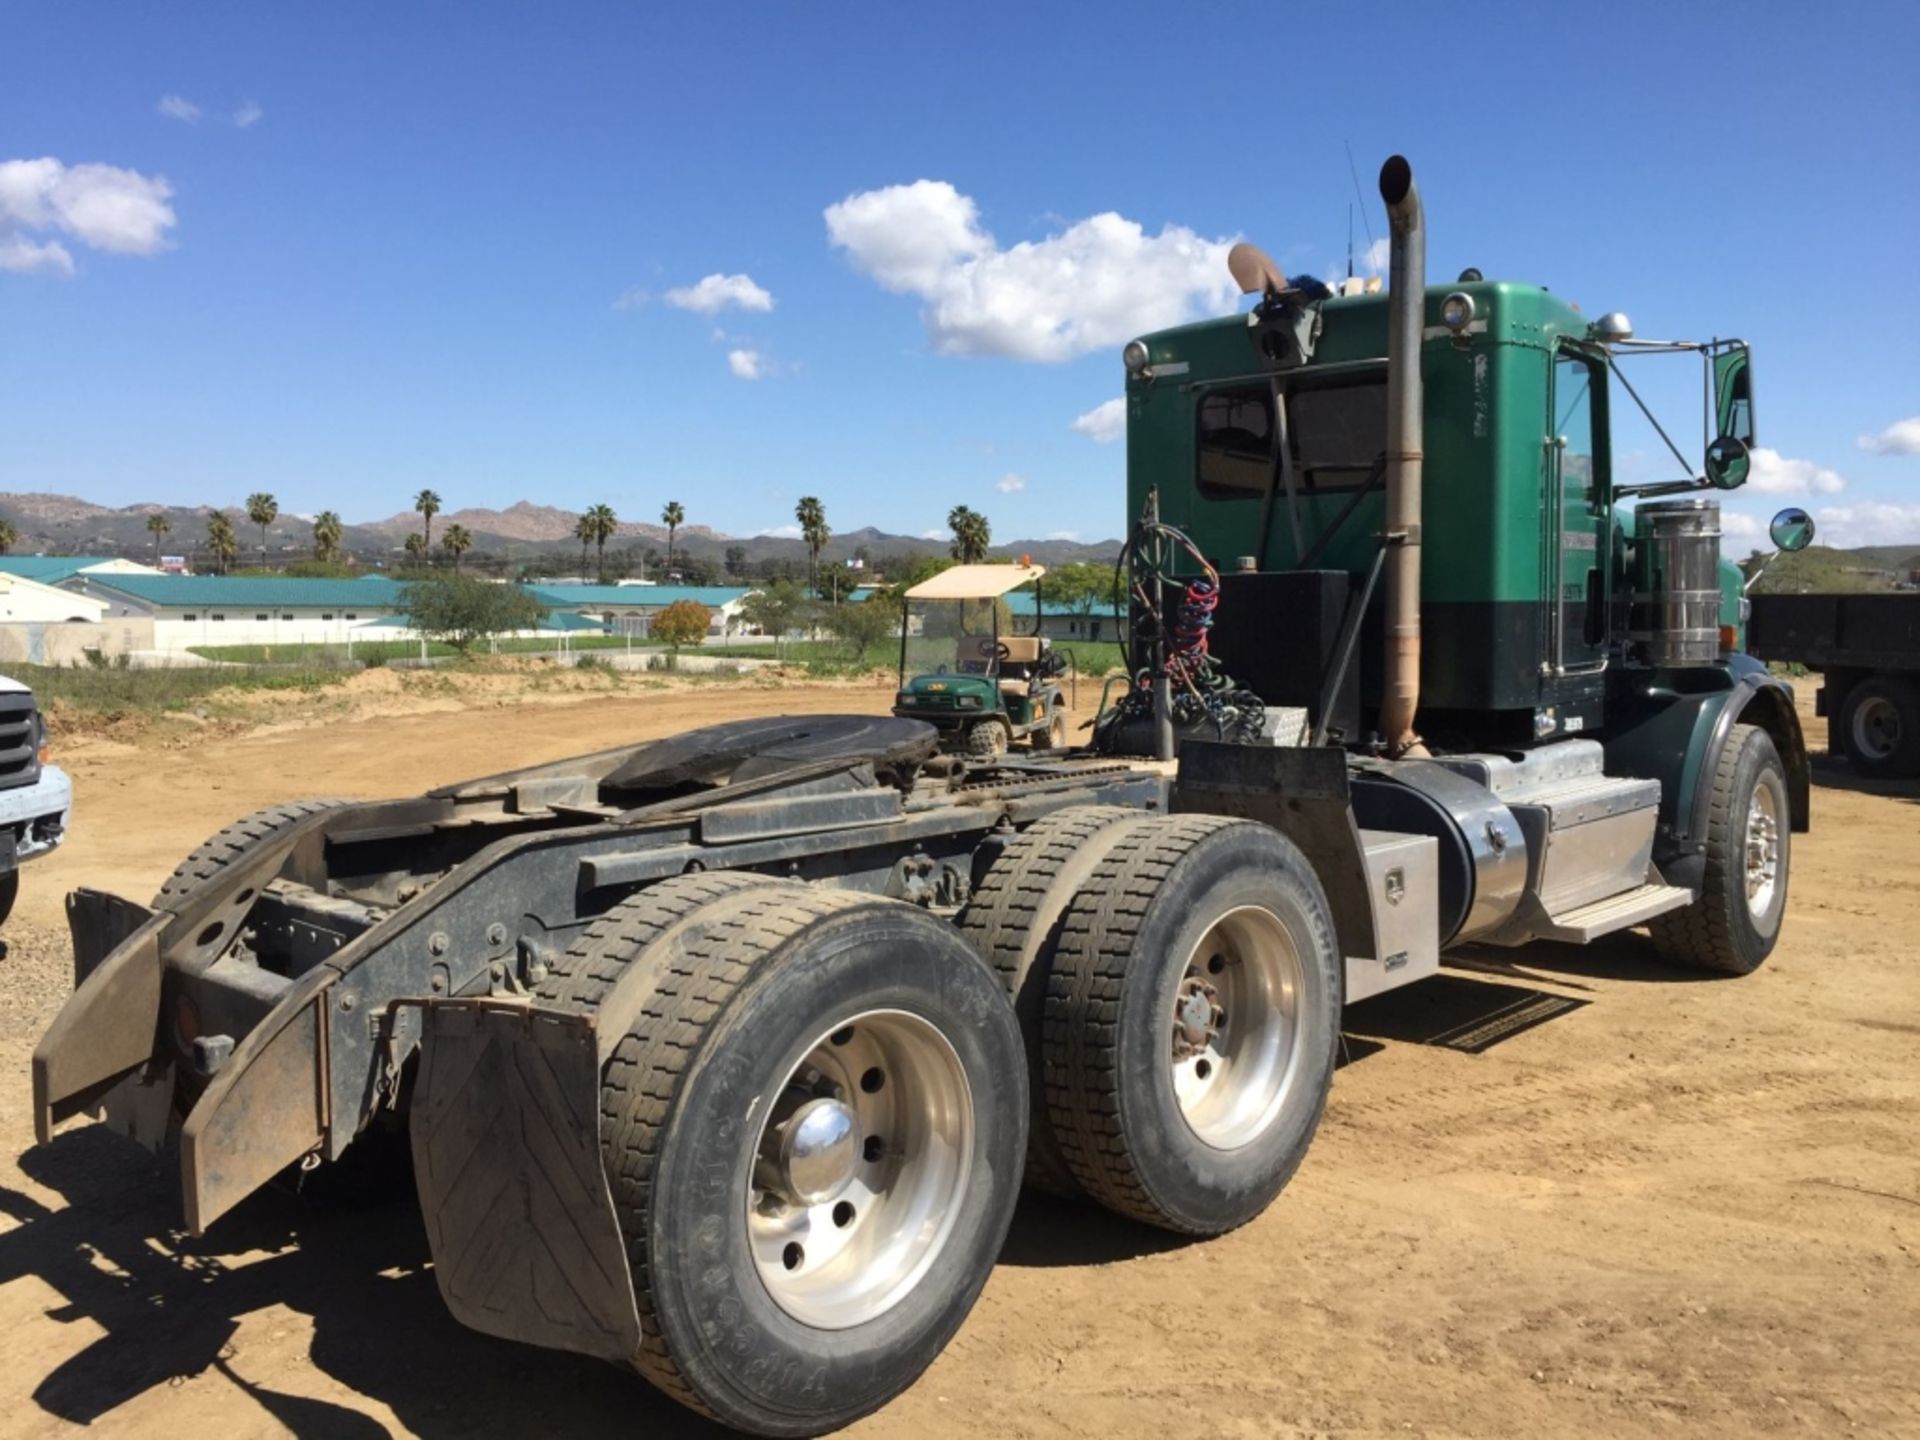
<point x="966" y="669"/>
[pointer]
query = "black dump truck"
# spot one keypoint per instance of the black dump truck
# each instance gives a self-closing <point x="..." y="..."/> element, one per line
<point x="1867" y="650"/>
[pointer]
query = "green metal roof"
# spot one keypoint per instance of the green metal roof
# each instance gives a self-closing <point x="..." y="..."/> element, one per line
<point x="577" y="597"/>
<point x="49" y="569"/>
<point x="267" y="592"/>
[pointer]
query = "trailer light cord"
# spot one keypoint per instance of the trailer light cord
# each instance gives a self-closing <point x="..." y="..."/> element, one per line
<point x="1204" y="697"/>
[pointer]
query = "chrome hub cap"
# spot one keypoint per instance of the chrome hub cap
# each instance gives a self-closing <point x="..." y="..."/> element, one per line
<point x="1876" y="728"/>
<point x="1763" y="850"/>
<point x="860" y="1170"/>
<point x="1234" y="1046"/>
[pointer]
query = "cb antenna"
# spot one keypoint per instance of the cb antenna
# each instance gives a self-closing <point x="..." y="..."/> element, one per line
<point x="1355" y="173"/>
<point x="1349" y="242"/>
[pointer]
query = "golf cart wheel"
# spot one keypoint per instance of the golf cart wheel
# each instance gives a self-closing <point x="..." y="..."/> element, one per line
<point x="1192" y="1018"/>
<point x="814" y="1126"/>
<point x="987" y="739"/>
<point x="1735" y="923"/>
<point x="1880" y="728"/>
<point x="1052" y="735"/>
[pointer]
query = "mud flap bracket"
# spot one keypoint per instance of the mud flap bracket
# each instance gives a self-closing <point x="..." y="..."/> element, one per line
<point x="505" y="1126"/>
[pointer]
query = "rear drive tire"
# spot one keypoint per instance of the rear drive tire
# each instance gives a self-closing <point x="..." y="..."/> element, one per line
<point x="209" y="860"/>
<point x="815" y="1124"/>
<point x="1735" y="923"/>
<point x="1192" y="1018"/>
<point x="1880" y="728"/>
<point x="1014" y="919"/>
<point x="987" y="739"/>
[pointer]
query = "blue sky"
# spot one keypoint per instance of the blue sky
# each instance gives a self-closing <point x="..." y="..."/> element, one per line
<point x="443" y="247"/>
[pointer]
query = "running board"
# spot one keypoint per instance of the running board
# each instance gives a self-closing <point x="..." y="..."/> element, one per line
<point x="1616" y="912"/>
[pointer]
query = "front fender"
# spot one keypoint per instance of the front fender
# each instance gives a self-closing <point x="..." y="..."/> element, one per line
<point x="1673" y="729"/>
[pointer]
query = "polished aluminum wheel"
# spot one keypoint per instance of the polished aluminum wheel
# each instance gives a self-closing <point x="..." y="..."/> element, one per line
<point x="1876" y="728"/>
<point x="1236" y="1021"/>
<point x="1762" y="850"/>
<point x="861" y="1168"/>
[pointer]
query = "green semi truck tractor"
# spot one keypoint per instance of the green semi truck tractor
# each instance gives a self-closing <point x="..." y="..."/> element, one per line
<point x="723" y="1056"/>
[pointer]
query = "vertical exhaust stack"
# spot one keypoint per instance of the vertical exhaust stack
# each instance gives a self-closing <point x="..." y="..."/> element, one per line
<point x="1406" y="318"/>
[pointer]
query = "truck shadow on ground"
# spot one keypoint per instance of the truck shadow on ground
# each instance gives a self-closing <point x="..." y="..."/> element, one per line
<point x="172" y="1306"/>
<point x="1831" y="772"/>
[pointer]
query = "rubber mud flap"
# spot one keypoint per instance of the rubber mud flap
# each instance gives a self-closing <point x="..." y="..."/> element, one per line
<point x="505" y="1125"/>
<point x="106" y="1029"/>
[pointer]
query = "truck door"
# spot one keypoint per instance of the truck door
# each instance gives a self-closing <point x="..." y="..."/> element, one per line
<point x="1576" y="514"/>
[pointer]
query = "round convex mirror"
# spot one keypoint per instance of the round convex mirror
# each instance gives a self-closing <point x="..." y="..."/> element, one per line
<point x="1728" y="461"/>
<point x="1792" y="529"/>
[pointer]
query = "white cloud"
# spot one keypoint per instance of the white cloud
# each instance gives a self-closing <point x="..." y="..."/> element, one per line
<point x="1900" y="438"/>
<point x="631" y="298"/>
<point x="248" y="115"/>
<point x="934" y="532"/>
<point x="1776" y="474"/>
<point x="1867" y="522"/>
<point x="1063" y="535"/>
<point x="23" y="256"/>
<point x="1099" y="282"/>
<point x="1010" y="483"/>
<point x="1374" y="260"/>
<point x="101" y="206"/>
<point x="781" y="532"/>
<point x="1738" y="525"/>
<point x="1105" y="423"/>
<point x="746" y="364"/>
<point x="717" y="292"/>
<point x="178" y="107"/>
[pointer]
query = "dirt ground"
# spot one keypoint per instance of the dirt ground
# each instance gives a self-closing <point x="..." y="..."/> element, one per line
<point x="1558" y="1192"/>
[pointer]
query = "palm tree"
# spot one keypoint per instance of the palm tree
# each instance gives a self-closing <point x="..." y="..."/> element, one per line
<point x="262" y="510"/>
<point x="671" y="517"/>
<point x="604" y="525"/>
<point x="971" y="534"/>
<point x="9" y="537"/>
<point x="456" y="542"/>
<point x="327" y="531"/>
<point x="583" y="532"/>
<point x="428" y="504"/>
<point x="222" y="543"/>
<point x="812" y="516"/>
<point x="416" y="549"/>
<point x="157" y="525"/>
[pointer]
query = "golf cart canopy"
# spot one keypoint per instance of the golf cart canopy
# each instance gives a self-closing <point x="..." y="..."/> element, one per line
<point x="975" y="582"/>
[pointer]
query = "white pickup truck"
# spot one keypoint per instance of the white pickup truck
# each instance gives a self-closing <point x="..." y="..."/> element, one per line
<point x="36" y="799"/>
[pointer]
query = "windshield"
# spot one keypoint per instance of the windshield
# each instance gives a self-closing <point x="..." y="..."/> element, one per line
<point x="954" y="637"/>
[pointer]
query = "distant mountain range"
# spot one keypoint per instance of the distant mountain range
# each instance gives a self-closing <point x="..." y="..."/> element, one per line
<point x="68" y="525"/>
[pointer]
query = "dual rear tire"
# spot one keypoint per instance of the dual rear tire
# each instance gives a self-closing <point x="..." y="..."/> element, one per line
<point x="813" y="1125"/>
<point x="1179" y="989"/>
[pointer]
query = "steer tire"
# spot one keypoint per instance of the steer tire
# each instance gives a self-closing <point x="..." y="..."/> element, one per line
<point x="212" y="857"/>
<point x="1014" y="922"/>
<point x="9" y="892"/>
<point x="1722" y="931"/>
<point x="1880" y="728"/>
<point x="743" y="989"/>
<point x="1130" y="947"/>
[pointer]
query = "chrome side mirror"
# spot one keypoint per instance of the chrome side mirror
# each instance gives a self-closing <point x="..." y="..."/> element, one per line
<point x="1729" y="461"/>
